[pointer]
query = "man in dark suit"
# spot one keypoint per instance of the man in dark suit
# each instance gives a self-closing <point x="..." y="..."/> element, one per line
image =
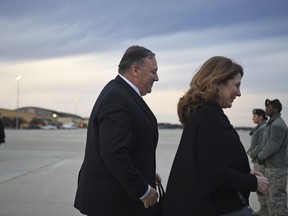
<point x="118" y="174"/>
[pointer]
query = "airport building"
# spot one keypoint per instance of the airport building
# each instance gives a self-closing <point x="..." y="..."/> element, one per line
<point x="36" y="117"/>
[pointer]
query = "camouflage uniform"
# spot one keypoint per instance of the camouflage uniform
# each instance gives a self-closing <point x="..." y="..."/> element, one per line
<point x="277" y="195"/>
<point x="274" y="156"/>
<point x="256" y="143"/>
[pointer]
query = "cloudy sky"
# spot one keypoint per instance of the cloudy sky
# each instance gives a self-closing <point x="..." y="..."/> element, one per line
<point x="66" y="51"/>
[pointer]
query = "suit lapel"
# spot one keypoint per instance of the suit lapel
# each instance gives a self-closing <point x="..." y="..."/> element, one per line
<point x="142" y="104"/>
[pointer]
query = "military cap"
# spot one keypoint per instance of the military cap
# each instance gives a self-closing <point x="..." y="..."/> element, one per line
<point x="275" y="103"/>
<point x="259" y="112"/>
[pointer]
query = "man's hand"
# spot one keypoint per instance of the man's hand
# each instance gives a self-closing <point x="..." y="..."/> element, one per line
<point x="158" y="178"/>
<point x="151" y="198"/>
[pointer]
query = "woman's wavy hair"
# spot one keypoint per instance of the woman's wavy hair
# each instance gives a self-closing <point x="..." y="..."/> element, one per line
<point x="204" y="85"/>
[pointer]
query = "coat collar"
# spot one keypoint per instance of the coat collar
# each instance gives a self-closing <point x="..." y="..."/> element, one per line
<point x="139" y="100"/>
<point x="131" y="84"/>
<point x="275" y="116"/>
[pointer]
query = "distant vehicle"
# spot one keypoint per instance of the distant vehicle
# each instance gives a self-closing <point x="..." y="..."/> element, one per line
<point x="49" y="127"/>
<point x="68" y="126"/>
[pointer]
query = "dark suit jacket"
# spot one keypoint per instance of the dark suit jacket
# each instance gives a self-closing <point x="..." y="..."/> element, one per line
<point x="209" y="168"/>
<point x="119" y="160"/>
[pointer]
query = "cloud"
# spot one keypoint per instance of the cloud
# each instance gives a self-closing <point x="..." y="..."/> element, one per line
<point x="61" y="28"/>
<point x="69" y="49"/>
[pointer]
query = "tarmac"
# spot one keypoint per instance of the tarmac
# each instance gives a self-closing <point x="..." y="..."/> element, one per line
<point x="39" y="168"/>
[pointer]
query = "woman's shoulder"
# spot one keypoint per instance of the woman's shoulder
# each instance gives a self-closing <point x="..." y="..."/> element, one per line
<point x="261" y="126"/>
<point x="209" y="110"/>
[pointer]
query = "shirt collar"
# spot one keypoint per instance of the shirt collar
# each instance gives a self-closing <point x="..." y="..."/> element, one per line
<point x="131" y="84"/>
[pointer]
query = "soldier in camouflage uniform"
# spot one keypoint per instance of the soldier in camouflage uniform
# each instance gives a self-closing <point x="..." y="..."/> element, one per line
<point x="274" y="157"/>
<point x="259" y="118"/>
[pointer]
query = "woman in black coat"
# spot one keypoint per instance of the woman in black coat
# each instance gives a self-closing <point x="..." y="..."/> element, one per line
<point x="211" y="165"/>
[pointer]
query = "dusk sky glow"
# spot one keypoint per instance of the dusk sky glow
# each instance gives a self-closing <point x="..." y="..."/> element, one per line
<point x="66" y="51"/>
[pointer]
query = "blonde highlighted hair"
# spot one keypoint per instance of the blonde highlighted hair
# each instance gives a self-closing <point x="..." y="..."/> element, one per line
<point x="204" y="85"/>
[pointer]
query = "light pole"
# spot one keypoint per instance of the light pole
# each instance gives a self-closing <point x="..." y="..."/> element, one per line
<point x="18" y="78"/>
<point x="76" y="106"/>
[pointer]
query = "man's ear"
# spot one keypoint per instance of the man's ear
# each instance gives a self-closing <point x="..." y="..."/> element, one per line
<point x="135" y="70"/>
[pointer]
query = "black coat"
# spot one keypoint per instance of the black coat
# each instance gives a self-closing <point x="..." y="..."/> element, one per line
<point x="2" y="132"/>
<point x="119" y="160"/>
<point x="209" y="167"/>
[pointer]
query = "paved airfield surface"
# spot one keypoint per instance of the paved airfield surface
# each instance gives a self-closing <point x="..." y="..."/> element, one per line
<point x="39" y="168"/>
